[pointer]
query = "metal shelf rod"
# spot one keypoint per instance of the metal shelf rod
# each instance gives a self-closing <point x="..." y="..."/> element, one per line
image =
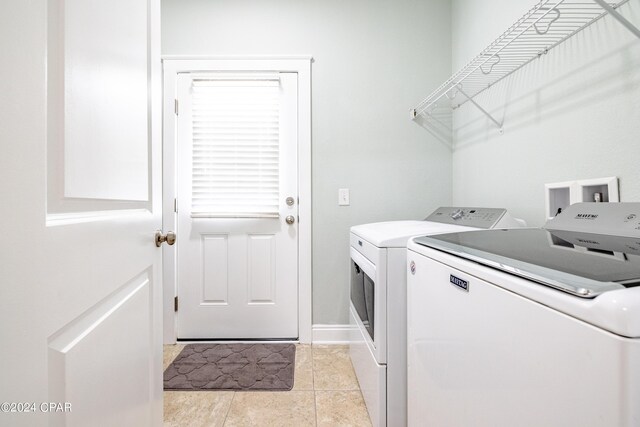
<point x="619" y="17"/>
<point x="486" y="113"/>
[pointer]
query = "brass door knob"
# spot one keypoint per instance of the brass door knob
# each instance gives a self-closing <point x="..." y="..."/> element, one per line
<point x="170" y="238"/>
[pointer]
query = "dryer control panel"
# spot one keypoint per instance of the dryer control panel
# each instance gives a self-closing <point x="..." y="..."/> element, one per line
<point x="470" y="217"/>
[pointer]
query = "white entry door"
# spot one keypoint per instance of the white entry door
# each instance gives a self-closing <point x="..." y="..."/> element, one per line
<point x="237" y="205"/>
<point x="80" y="305"/>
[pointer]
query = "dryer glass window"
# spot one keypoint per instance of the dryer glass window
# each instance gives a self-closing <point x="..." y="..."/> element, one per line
<point x="363" y="297"/>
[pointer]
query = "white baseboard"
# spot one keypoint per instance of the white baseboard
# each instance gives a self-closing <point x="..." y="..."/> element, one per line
<point x="331" y="334"/>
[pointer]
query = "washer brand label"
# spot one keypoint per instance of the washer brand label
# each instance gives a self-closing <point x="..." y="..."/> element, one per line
<point x="462" y="284"/>
<point x="586" y="216"/>
<point x="592" y="242"/>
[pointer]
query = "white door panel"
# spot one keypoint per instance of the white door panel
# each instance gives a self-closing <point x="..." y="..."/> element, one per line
<point x="215" y="259"/>
<point x="77" y="354"/>
<point x="80" y="303"/>
<point x="105" y="61"/>
<point x="238" y="276"/>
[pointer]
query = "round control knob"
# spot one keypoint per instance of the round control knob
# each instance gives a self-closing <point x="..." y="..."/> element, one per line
<point x="457" y="214"/>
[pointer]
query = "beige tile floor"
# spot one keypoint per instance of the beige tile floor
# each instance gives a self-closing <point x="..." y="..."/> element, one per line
<point x="325" y="394"/>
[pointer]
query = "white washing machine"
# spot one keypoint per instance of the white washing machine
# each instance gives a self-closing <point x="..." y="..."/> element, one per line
<point x="528" y="327"/>
<point x="379" y="302"/>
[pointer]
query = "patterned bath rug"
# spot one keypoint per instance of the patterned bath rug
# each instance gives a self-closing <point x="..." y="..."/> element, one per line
<point x="232" y="367"/>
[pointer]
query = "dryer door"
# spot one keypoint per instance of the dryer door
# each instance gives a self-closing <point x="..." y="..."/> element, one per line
<point x="363" y="296"/>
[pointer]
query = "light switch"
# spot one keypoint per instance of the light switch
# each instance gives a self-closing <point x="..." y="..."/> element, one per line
<point x="343" y="197"/>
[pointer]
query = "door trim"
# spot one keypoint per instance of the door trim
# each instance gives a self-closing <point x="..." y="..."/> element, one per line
<point x="172" y="65"/>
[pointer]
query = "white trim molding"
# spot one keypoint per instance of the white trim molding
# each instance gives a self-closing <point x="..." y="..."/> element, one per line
<point x="166" y="58"/>
<point x="332" y="334"/>
<point x="172" y="65"/>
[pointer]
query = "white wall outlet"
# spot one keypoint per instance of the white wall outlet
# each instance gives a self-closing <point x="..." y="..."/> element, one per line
<point x="605" y="188"/>
<point x="343" y="197"/>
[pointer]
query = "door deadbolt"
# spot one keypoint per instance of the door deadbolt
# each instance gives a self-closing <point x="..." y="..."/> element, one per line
<point x="290" y="219"/>
<point x="290" y="201"/>
<point x="170" y="238"/>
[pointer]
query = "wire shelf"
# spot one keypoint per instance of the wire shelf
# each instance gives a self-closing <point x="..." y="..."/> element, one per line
<point x="546" y="25"/>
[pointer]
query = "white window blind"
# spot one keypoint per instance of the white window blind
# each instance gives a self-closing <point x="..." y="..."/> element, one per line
<point x="235" y="123"/>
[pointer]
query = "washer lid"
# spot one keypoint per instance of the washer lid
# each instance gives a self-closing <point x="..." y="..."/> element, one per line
<point x="581" y="264"/>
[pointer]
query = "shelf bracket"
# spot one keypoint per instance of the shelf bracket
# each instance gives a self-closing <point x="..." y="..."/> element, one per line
<point x="554" y="19"/>
<point x="606" y="6"/>
<point x="493" y="64"/>
<point x="485" y="112"/>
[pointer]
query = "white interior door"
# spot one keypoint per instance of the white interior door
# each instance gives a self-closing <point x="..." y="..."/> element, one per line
<point x="237" y="208"/>
<point x="80" y="304"/>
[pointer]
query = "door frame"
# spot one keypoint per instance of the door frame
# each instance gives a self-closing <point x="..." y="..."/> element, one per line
<point x="172" y="66"/>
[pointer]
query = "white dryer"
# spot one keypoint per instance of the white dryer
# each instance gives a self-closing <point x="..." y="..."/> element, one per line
<point x="528" y="327"/>
<point x="379" y="302"/>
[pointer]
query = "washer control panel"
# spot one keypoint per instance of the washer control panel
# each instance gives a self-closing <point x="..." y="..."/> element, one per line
<point x="615" y="219"/>
<point x="470" y="217"/>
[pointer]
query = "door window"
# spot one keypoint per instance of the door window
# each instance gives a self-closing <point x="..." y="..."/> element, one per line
<point x="235" y="125"/>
